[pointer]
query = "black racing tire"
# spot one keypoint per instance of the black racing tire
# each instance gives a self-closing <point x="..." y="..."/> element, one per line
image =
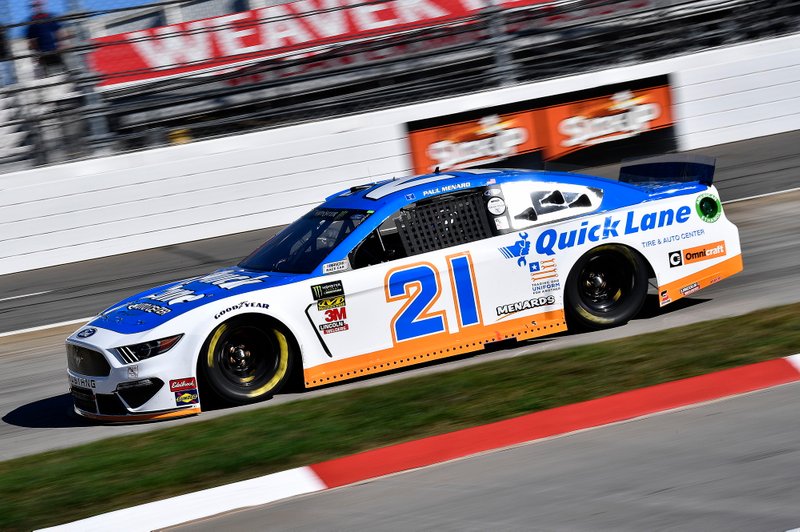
<point x="606" y="287"/>
<point x="246" y="360"/>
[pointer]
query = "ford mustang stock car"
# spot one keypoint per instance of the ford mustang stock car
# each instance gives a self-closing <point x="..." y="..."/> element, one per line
<point x="406" y="271"/>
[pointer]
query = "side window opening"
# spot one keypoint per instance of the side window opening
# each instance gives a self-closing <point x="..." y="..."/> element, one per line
<point x="427" y="225"/>
<point x="530" y="203"/>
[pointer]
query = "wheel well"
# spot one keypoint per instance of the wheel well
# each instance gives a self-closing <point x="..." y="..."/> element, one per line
<point x="650" y="271"/>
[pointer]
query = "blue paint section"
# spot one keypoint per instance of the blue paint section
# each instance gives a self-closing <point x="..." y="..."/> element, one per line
<point x="156" y="306"/>
<point x="408" y="325"/>
<point x="465" y="291"/>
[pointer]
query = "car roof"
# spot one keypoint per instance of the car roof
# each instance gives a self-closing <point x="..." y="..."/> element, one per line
<point x="396" y="193"/>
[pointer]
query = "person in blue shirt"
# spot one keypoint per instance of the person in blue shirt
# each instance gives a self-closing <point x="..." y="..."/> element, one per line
<point x="43" y="36"/>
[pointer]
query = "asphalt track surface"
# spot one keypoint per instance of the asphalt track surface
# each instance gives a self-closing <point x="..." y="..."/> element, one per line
<point x="727" y="465"/>
<point x="35" y="406"/>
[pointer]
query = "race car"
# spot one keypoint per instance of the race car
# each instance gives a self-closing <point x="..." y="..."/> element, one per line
<point x="406" y="271"/>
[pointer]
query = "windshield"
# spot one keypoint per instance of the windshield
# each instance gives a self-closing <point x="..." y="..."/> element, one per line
<point x="301" y="246"/>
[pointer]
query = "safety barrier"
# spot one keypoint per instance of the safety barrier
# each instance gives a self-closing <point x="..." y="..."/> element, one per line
<point x="147" y="199"/>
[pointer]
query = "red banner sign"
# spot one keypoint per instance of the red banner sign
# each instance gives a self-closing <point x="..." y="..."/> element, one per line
<point x="239" y="38"/>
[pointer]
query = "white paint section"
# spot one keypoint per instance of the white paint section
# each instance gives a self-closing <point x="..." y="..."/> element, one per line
<point x="794" y="360"/>
<point x="101" y="207"/>
<point x="192" y="506"/>
<point x="25" y="295"/>
<point x="45" y="327"/>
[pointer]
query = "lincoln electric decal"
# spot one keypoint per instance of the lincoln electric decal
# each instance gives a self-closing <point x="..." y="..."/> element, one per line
<point x="598" y="126"/>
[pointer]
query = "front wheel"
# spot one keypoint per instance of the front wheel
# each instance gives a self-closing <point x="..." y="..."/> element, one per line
<point x="606" y="287"/>
<point x="246" y="360"/>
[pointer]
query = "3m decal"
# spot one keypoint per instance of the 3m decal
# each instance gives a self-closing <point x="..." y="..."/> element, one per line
<point x="326" y="290"/>
<point x="335" y="314"/>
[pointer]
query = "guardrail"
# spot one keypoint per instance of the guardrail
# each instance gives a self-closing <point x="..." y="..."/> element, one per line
<point x="99" y="207"/>
<point x="108" y="99"/>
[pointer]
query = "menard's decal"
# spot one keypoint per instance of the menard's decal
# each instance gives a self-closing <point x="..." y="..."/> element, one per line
<point x="528" y="304"/>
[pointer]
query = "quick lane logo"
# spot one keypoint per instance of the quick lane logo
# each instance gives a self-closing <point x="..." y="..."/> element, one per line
<point x="696" y="254"/>
<point x="551" y="239"/>
<point x="225" y="279"/>
<point x="518" y="249"/>
<point x="326" y="290"/>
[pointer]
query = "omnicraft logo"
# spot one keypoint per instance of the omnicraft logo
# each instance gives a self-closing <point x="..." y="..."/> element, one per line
<point x="696" y="254"/>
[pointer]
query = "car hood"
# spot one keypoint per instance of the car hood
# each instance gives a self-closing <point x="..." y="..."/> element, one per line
<point x="151" y="308"/>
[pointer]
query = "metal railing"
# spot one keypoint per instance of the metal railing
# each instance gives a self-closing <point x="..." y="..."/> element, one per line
<point x="81" y="112"/>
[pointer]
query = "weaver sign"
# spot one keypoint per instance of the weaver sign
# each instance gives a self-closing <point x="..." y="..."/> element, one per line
<point x="239" y="38"/>
<point x="575" y="128"/>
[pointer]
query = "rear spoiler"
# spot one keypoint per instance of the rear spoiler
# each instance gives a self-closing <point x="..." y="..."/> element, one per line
<point x="677" y="168"/>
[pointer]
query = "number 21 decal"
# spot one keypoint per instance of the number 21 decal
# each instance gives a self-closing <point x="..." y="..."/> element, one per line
<point x="419" y="285"/>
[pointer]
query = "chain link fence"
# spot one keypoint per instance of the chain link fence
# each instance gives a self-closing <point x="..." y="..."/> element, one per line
<point x="129" y="76"/>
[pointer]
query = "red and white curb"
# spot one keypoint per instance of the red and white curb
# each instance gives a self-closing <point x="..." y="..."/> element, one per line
<point x="436" y="449"/>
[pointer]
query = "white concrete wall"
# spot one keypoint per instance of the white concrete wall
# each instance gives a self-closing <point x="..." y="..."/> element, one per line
<point x="141" y="200"/>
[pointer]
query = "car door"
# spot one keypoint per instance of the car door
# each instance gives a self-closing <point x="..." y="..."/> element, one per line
<point x="423" y="285"/>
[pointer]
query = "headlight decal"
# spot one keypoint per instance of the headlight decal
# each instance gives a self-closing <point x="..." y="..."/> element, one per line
<point x="145" y="350"/>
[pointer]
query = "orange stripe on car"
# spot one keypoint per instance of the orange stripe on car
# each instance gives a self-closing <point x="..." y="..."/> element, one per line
<point x="434" y="347"/>
<point x="704" y="278"/>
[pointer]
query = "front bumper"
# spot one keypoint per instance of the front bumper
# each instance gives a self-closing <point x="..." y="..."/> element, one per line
<point x="105" y="387"/>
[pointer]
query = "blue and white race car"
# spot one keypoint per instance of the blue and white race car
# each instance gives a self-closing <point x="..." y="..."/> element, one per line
<point x="403" y="272"/>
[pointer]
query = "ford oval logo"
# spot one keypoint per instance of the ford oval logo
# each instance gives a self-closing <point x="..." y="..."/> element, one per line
<point x="86" y="333"/>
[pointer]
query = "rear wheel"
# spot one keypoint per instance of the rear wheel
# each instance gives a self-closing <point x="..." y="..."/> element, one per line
<point x="606" y="287"/>
<point x="246" y="360"/>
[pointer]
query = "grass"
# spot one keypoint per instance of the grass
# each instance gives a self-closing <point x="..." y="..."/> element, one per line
<point x="61" y="486"/>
